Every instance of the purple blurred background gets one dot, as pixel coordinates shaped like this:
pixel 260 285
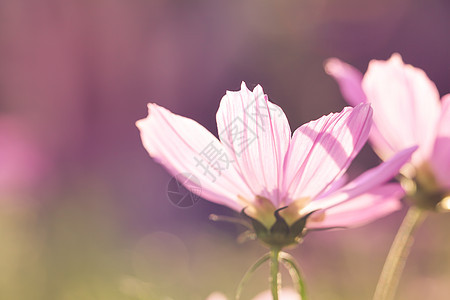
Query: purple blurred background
pixel 85 212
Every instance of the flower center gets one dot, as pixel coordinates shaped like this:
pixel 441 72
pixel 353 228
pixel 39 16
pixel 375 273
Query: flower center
pixel 424 191
pixel 279 227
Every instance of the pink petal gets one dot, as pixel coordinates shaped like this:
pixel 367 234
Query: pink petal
pixel 322 150
pixel 350 83
pixel 216 296
pixel 363 209
pixel 23 165
pixel 382 147
pixel 364 183
pixel 182 145
pixel 349 80
pixel 336 185
pixel 440 160
pixel 405 104
pixel 284 294
pixel 257 135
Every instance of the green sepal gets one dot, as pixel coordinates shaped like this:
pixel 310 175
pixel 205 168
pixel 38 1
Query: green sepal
pixel 260 230
pixel 296 229
pixel 280 225
pixel 280 233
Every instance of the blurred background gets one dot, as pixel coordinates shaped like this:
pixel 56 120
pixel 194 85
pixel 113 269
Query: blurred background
pixel 84 212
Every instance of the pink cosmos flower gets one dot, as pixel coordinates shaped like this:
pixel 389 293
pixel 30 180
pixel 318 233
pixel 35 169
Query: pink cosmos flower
pixel 285 294
pixel 407 111
pixel 256 164
pixel 22 162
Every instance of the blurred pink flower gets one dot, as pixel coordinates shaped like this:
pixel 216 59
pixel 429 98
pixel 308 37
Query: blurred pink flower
pixel 284 294
pixel 257 165
pixel 407 111
pixel 22 163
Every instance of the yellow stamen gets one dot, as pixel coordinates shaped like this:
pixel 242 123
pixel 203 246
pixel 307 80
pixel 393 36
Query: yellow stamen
pixel 444 205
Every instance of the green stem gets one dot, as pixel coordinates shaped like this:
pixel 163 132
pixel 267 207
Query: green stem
pixel 274 272
pixel 290 264
pixel 396 259
pixel 249 274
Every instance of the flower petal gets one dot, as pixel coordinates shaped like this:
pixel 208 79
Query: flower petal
pixel 257 135
pixel 182 145
pixel 349 80
pixel 322 150
pixel 364 183
pixel 363 209
pixel 405 104
pixel 284 294
pixel 336 185
pixel 440 160
pixel 350 84
pixel 216 296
